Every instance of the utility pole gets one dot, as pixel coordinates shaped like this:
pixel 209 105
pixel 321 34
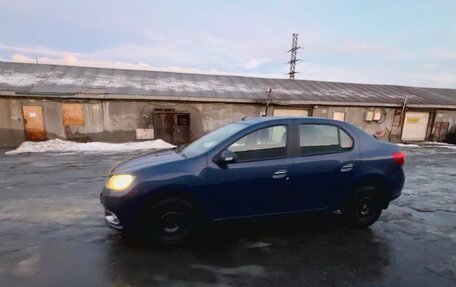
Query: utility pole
pixel 293 60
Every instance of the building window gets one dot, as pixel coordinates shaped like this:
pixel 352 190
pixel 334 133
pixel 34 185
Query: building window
pixel 339 116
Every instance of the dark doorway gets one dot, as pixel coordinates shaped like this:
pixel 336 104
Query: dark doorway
pixel 172 127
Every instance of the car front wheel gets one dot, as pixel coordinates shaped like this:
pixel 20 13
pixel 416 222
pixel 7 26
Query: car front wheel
pixel 170 221
pixel 364 209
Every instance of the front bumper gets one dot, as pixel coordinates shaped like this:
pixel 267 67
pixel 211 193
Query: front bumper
pixel 121 212
pixel 112 220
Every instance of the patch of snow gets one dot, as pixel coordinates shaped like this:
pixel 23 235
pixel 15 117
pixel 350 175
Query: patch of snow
pixel 407 145
pixel 258 244
pixel 438 144
pixel 245 270
pixel 62 146
pixel 429 145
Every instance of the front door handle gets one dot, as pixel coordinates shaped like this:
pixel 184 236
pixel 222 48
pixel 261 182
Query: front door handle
pixel 281 173
pixel 347 167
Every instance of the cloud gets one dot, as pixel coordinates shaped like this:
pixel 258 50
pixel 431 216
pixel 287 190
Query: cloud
pixel 309 71
pixel 33 50
pixel 360 47
pixel 387 75
pixel 188 57
pixel 428 72
pixel 442 54
pixel 254 63
pixel 187 54
pixel 72 60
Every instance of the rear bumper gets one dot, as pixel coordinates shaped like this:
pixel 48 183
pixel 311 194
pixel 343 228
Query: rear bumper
pixel 396 184
pixel 395 196
pixel 395 187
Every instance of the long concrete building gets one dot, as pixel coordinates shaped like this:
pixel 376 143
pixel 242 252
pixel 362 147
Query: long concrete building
pixel 39 102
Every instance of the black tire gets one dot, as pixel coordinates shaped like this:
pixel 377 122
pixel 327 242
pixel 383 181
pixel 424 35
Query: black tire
pixel 364 209
pixel 170 222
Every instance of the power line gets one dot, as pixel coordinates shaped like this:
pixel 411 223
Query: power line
pixel 293 60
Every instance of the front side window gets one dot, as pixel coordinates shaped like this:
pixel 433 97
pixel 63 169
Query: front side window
pixel 262 144
pixel 317 139
pixel 211 139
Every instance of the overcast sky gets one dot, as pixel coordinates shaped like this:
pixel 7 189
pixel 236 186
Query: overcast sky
pixel 386 42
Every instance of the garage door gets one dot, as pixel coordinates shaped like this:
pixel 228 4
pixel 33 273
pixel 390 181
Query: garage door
pixel 415 126
pixel 291 112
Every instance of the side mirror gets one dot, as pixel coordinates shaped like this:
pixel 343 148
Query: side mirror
pixel 227 157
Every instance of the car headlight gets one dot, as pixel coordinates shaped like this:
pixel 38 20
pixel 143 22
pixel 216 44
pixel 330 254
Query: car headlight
pixel 119 182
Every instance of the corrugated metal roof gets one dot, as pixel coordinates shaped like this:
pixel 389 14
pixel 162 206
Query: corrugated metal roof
pixel 59 80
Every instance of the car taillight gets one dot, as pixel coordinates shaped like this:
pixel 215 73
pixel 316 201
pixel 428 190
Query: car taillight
pixel 399 157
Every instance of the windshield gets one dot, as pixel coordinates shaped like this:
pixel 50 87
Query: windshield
pixel 210 140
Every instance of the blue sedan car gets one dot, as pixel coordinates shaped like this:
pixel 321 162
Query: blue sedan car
pixel 253 168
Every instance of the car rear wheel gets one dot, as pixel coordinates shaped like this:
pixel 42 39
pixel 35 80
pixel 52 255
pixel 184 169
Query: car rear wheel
pixel 364 209
pixel 170 221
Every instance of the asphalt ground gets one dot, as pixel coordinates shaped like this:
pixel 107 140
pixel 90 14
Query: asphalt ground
pixel 52 233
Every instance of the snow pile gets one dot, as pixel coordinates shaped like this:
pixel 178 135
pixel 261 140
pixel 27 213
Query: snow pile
pixel 407 145
pixel 429 145
pixel 258 244
pixel 439 144
pixel 57 145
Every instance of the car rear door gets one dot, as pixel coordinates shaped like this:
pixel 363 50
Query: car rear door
pixel 323 163
pixel 257 183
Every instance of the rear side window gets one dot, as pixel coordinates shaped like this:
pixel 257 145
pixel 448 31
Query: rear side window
pixel 262 144
pixel 346 142
pixel 317 139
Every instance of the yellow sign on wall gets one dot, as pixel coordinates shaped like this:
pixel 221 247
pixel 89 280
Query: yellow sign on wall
pixel 413 120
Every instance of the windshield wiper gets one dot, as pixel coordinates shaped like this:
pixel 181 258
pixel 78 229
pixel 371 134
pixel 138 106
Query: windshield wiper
pixel 180 147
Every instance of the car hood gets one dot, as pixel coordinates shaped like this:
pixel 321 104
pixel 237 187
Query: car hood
pixel 147 160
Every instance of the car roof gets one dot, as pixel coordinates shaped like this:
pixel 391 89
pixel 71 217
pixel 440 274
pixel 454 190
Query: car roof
pixel 281 119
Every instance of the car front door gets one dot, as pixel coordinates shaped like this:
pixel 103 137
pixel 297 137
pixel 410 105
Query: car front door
pixel 257 182
pixel 322 166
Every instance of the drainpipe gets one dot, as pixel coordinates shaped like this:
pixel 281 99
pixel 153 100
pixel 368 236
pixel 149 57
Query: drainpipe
pixel 430 127
pixel 404 106
pixel 267 103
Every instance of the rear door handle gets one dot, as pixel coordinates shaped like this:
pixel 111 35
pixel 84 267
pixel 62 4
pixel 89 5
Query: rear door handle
pixel 347 167
pixel 281 173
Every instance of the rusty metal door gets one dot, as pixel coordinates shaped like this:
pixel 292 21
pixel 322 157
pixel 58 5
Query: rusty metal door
pixel 182 133
pixel 34 123
pixel 440 131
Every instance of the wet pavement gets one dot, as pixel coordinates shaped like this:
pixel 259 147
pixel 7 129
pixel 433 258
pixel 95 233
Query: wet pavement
pixel 52 234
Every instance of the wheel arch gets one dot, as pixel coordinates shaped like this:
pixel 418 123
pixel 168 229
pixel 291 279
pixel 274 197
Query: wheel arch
pixel 378 181
pixel 172 192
